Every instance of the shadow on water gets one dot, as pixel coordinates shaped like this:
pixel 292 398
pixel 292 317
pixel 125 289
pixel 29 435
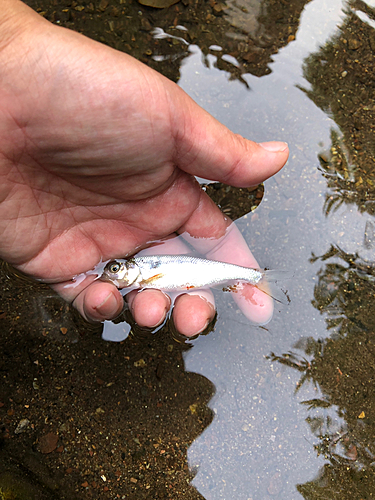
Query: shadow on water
pixel 82 418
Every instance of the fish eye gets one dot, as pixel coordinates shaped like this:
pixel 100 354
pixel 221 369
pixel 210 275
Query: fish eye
pixel 114 267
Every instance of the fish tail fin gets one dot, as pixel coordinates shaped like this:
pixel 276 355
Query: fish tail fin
pixel 273 285
pixel 275 275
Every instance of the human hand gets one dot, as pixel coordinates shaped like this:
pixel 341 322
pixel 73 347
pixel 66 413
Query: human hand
pixel 97 158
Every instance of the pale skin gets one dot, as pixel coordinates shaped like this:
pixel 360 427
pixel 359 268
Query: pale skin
pixel 97 157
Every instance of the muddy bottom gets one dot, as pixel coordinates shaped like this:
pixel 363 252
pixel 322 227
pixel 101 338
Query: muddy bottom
pixel 83 418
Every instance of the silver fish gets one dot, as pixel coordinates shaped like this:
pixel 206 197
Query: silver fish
pixel 177 273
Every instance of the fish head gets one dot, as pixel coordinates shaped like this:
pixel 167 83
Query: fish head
pixel 122 273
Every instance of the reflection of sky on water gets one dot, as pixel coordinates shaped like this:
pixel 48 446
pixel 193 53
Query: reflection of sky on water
pixel 258 443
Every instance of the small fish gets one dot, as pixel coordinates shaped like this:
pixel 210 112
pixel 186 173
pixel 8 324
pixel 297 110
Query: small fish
pixel 178 273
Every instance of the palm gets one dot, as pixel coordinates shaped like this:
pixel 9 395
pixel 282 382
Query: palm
pixel 106 169
pixel 77 235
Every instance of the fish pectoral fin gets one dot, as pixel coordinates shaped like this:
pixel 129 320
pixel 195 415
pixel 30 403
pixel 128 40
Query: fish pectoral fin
pixel 151 280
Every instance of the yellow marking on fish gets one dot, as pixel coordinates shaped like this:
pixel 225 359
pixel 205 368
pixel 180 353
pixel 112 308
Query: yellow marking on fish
pixel 150 281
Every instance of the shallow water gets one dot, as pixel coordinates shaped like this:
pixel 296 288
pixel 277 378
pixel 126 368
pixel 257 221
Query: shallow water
pixel 293 408
pixel 264 441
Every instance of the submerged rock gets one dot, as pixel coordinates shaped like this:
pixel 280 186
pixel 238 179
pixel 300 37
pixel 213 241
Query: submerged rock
pixel 158 4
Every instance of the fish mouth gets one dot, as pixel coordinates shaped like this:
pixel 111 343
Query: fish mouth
pixel 108 279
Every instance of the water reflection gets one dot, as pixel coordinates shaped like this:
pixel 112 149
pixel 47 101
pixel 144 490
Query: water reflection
pixel 242 36
pixel 341 367
pixel 341 75
pixel 260 28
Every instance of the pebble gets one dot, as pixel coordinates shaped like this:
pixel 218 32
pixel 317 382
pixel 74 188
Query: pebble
pixel 22 426
pixel 48 443
pixel 140 363
pixel 103 4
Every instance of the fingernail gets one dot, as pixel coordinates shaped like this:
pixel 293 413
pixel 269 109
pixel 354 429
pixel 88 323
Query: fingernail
pixel 108 307
pixel 206 325
pixel 157 324
pixel 201 330
pixel 274 146
pixel 162 319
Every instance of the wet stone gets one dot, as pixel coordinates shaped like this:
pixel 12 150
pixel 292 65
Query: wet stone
pixel 354 43
pixel 22 426
pixel 103 4
pixel 158 4
pixel 219 7
pixel 145 24
pixel 48 443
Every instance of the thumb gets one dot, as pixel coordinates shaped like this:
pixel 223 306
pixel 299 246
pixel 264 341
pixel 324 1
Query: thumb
pixel 208 149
